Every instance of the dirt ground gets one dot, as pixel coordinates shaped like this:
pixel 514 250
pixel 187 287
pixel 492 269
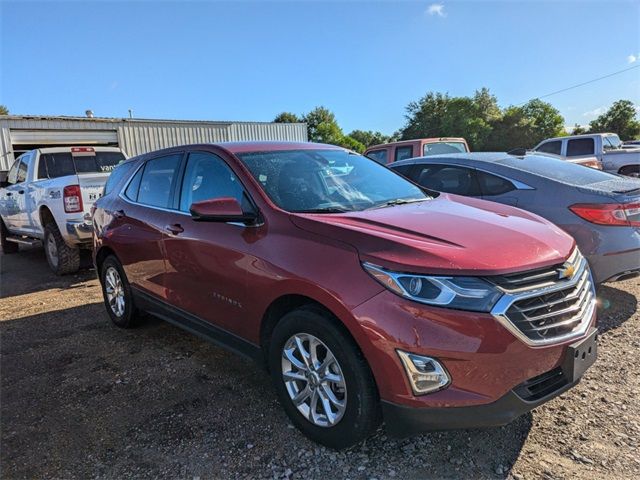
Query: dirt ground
pixel 81 398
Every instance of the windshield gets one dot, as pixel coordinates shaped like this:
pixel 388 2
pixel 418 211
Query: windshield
pixel 443 147
pixel 611 142
pixel 328 181
pixel 560 170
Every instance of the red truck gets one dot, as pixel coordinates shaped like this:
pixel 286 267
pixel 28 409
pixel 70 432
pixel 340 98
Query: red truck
pixel 368 298
pixel 421 147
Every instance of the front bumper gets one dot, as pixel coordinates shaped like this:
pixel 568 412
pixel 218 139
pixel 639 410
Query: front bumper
pixel 78 231
pixel 403 421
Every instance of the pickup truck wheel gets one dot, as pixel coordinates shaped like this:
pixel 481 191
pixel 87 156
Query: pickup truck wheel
pixel 631 171
pixel 62 258
pixel 322 379
pixel 117 293
pixel 7 247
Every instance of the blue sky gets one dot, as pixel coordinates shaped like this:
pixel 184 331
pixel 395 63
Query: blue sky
pixel 364 60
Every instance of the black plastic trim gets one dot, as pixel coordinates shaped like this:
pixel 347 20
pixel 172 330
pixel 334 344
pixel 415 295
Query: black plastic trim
pixel 197 326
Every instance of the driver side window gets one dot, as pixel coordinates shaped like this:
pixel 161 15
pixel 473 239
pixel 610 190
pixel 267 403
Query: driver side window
pixel 207 177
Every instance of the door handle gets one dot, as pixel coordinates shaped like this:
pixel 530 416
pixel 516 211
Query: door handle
pixel 9 194
pixel 21 192
pixel 175 228
pixel 119 214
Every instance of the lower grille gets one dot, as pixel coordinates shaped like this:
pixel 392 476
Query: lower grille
pixel 553 313
pixel 539 387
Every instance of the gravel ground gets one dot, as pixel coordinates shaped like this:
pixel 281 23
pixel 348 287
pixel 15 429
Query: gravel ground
pixel 81 398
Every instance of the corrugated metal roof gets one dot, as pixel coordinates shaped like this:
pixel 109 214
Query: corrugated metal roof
pixel 137 136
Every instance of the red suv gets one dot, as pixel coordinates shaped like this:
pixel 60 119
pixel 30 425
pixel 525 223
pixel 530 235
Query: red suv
pixel 368 298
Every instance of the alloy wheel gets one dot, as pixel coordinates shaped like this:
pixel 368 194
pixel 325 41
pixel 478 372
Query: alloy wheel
pixel 115 291
pixel 314 380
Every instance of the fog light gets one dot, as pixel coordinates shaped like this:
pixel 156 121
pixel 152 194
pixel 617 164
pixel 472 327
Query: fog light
pixel 425 374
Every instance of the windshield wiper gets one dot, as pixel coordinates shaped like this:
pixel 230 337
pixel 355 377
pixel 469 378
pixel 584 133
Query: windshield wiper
pixel 397 201
pixel 322 210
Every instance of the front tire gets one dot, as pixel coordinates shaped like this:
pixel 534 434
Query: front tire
pixel 322 379
pixel 62 258
pixel 117 295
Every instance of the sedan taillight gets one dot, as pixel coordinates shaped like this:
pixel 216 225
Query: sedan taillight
pixel 625 214
pixel 72 197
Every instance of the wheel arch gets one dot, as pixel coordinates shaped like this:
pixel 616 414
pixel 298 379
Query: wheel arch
pixel 101 255
pixel 45 215
pixel 626 169
pixel 286 303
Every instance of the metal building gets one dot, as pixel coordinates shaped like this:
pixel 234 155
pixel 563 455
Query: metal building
pixel 135 136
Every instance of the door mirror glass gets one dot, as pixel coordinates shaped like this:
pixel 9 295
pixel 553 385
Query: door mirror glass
pixel 225 209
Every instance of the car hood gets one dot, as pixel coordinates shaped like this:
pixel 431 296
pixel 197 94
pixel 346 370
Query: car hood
pixel 447 235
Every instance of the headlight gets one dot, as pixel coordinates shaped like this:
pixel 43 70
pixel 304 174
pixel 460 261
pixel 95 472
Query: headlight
pixel 462 293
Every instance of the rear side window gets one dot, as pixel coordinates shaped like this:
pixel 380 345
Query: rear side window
pixel 379 156
pixel 64 163
pixel 449 179
pixel 554 147
pixel 580 146
pixel 493 185
pixel 157 180
pixel 134 186
pixel 403 153
pixel 116 176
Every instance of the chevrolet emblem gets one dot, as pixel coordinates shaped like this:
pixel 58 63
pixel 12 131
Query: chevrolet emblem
pixel 567 271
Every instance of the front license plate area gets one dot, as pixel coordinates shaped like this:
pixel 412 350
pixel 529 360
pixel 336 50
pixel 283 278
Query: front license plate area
pixel 580 356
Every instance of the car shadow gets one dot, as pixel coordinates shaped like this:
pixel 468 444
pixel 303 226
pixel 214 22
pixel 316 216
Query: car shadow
pixel 28 271
pixel 81 397
pixel 615 306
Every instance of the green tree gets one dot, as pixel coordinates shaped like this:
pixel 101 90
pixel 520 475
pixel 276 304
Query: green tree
pixel 4 110
pixel 439 115
pixel 578 130
pixel 546 120
pixel 525 126
pixel 351 143
pixel 322 126
pixel 368 137
pixel 287 117
pixel 621 118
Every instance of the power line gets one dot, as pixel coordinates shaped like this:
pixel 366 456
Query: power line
pixel 586 83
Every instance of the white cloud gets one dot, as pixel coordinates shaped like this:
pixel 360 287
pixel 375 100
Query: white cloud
pixel 595 112
pixel 436 9
pixel 632 59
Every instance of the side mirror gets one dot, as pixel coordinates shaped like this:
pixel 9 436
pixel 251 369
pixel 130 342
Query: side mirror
pixel 226 209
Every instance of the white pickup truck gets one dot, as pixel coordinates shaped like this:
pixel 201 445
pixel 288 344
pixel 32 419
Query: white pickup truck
pixel 605 147
pixel 47 198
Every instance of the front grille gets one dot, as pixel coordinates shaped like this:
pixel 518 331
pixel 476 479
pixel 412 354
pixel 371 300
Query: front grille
pixel 556 311
pixel 539 278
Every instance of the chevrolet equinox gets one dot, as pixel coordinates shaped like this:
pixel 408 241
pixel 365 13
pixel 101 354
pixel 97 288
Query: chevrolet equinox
pixel 368 298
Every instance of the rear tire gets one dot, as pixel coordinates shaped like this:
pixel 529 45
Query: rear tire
pixel 61 257
pixel 116 291
pixel 7 247
pixel 345 386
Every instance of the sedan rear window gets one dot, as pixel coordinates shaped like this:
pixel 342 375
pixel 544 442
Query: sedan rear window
pixel 560 170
